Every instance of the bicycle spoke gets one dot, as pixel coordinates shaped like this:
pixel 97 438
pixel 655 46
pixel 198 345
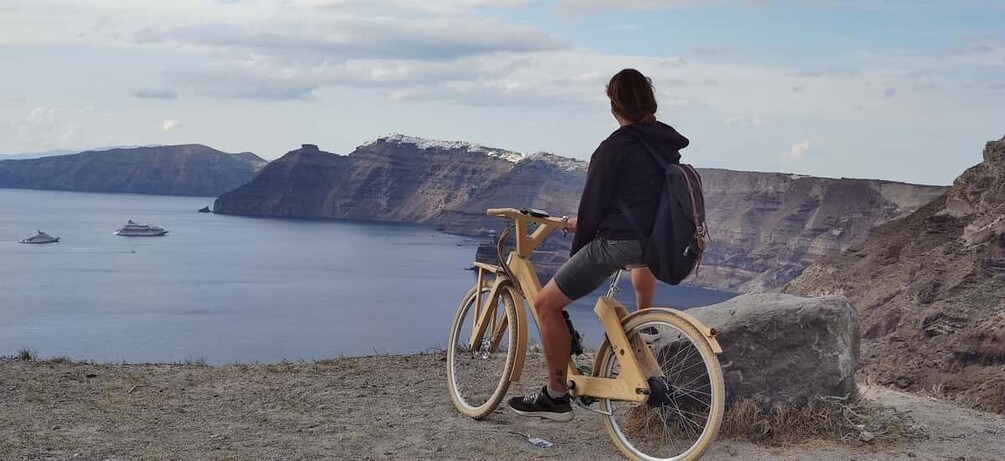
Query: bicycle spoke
pixel 478 374
pixel 675 418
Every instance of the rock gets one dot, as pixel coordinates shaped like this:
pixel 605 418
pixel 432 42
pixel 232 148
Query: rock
pixel 785 349
pixel 866 437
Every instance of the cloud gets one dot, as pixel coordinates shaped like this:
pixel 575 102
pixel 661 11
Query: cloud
pixel 744 121
pixel 47 126
pixel 579 6
pixel 454 51
pixel 355 37
pixel 423 6
pixel 796 153
pixel 171 125
pixel 626 27
pixel 715 50
pixel 827 72
pixel 156 93
pixel 12 100
pixel 985 50
pixel 286 56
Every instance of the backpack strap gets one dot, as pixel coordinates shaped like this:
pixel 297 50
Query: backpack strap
pixel 652 153
pixel 663 164
pixel 643 240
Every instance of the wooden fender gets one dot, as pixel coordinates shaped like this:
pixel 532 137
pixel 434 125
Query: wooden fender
pixel 521 333
pixel 709 333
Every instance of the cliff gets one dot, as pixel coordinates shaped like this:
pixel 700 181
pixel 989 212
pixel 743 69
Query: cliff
pixel 766 227
pixel 930 289
pixel 165 170
pixel 394 178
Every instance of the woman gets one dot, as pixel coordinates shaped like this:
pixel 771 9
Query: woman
pixel 620 172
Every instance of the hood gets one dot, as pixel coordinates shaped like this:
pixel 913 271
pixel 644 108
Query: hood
pixel 662 137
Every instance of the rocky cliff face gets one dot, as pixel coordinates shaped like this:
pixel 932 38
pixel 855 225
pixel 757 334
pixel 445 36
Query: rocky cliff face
pixel 394 178
pixel 166 170
pixel 930 289
pixel 766 227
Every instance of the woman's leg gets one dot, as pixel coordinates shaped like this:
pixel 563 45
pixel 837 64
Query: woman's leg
pixel 555 338
pixel 644 283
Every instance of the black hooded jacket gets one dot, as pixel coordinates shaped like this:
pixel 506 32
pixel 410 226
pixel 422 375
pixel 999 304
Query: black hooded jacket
pixel 621 169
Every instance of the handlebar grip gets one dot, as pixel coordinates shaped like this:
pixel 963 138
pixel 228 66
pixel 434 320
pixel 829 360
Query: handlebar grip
pixel 496 211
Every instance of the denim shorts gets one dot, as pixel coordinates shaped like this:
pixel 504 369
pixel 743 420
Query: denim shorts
pixel 594 263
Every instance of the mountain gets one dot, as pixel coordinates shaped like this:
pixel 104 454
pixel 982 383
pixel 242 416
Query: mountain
pixel 766 227
pixel 191 169
pixel 55 152
pixel 930 290
pixel 394 178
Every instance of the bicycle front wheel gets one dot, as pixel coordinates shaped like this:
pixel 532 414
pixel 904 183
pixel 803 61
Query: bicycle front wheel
pixel 682 416
pixel 478 368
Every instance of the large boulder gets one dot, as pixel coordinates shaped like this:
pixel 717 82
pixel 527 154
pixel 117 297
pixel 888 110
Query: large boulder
pixel 785 349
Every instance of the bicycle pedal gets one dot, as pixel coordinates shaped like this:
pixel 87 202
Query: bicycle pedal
pixel 586 404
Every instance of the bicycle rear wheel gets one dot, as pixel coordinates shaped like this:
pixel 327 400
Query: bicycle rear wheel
pixel 478 369
pixel 687 396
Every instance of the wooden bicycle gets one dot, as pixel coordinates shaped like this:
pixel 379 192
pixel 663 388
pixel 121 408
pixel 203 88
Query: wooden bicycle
pixel 655 379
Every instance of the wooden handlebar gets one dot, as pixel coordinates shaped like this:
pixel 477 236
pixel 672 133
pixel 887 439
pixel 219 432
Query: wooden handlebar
pixel 515 214
pixel 500 211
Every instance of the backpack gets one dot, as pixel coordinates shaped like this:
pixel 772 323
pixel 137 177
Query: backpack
pixel 674 247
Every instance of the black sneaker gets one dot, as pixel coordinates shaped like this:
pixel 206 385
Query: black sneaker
pixel 541 404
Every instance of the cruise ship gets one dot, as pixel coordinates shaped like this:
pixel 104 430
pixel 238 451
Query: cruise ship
pixel 40 237
pixel 131 229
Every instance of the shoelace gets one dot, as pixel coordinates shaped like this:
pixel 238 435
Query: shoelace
pixel 529 399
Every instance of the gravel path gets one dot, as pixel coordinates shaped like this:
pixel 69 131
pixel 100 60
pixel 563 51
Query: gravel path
pixel 393 407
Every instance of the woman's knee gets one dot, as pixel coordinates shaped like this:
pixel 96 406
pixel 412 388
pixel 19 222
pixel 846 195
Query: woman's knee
pixel 550 300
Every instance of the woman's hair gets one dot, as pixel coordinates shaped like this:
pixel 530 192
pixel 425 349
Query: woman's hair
pixel 632 96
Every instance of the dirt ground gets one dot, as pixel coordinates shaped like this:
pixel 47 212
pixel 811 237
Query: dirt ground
pixel 393 407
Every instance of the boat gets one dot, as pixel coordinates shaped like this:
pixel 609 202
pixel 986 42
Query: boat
pixel 132 229
pixel 40 237
pixel 204 209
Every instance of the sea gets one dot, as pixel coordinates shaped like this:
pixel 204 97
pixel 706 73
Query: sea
pixel 226 289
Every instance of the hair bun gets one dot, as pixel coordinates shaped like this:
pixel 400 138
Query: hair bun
pixel 632 96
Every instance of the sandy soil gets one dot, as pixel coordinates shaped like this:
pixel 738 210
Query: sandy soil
pixel 362 408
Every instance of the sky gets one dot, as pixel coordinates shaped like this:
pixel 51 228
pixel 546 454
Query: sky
pixel 901 90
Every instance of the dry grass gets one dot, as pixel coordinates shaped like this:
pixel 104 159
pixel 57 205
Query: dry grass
pixel 25 354
pixel 853 421
pixel 196 362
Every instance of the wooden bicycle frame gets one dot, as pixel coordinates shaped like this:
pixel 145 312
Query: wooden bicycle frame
pixel 635 358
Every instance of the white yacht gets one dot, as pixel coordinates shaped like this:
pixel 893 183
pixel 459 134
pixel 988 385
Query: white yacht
pixel 132 229
pixel 40 237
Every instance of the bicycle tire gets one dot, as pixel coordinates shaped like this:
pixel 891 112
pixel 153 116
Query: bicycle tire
pixel 652 318
pixel 466 402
